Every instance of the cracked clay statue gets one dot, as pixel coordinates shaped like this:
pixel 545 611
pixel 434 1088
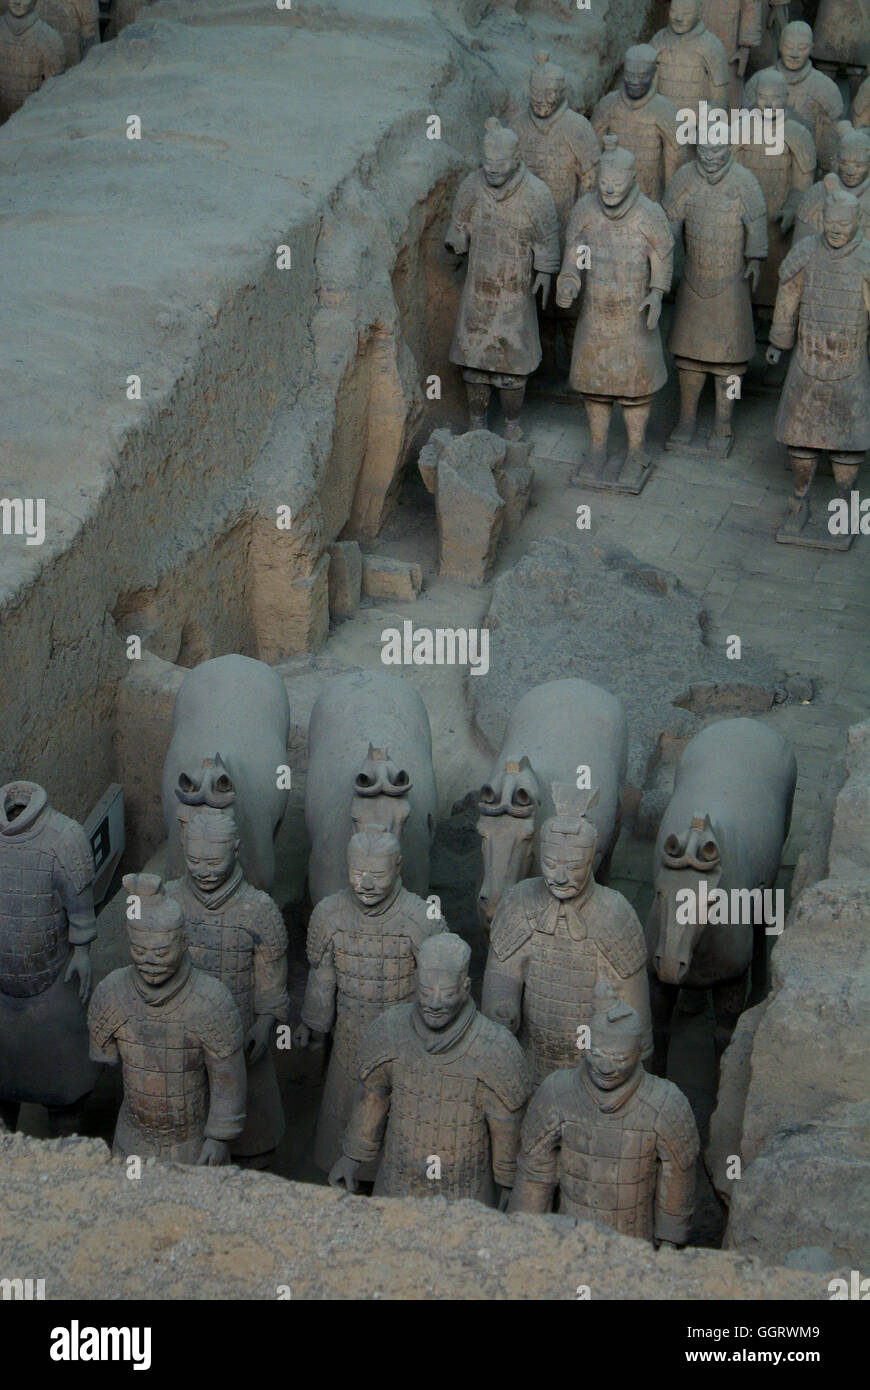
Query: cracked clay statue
pixel 363 945
pixel 236 933
pixel 719 207
pixel 504 218
pixel 178 1037
pixel 643 121
pixel 446 1084
pixel 812 97
pixel 693 64
pixel 620 244
pixel 46 927
pixel 30 52
pixel 555 937
pixel 823 312
pixel 610 1141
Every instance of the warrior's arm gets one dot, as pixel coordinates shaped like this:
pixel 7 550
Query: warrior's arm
pixel 459 232
pixel 538 1164
pixel 785 315
pixel 756 247
pixel 318 1007
pixel 89 17
pixel 719 73
pixel 227 1086
pixel 53 56
pixel 504 1134
pixel 677 1150
pixel 545 244
pixel 270 970
pixel 634 990
pixel 749 32
pixel 673 153
pixel 503 989
pixel 661 257
pixel 365 1128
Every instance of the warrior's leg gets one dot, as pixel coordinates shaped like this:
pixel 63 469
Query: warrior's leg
pixel 844 467
pixel 720 436
pixel 66 1119
pixel 511 398
pixel 729 1001
pixel 663 1000
pixel 598 414
pixel 691 386
pixel 803 467
pixel 636 418
pixel 9 1114
pixel 478 404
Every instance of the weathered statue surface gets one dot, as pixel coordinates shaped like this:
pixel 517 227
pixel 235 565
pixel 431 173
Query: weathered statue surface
pixel 693 63
pixel 363 946
pixel 236 934
pixel 643 121
pixel 30 52
pixel 47 925
pixel 619 253
pixel 812 97
pixel 504 219
pixel 442 1088
pixel 607 1141
pixel 178 1036
pixel 555 938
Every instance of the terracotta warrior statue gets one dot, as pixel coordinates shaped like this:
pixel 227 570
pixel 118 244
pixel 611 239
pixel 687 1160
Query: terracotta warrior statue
pixel 363 945
pixel 823 308
pixel 178 1037
pixel 853 170
pixel 627 243
pixel 554 938
pixel 77 22
pixel 643 121
pixel 719 207
pixel 236 933
pixel 861 105
pixel 842 38
pixel 812 97
pixel 775 15
pixel 30 52
pixel 610 1142
pixel 557 144
pixel 47 924
pixel 737 26
pixel 784 178
pixel 446 1084
pixel 504 218
pixel 693 64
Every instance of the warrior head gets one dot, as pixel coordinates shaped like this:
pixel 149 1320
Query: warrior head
pixel 616 1040
pixel 771 90
pixel 842 213
pixel 211 845
pixel 639 71
pixel 568 843
pixel 374 861
pixel 547 86
pixel 713 160
pixel 156 932
pixel 616 173
pixel 443 983
pixel 501 153
pixel 796 45
pixel 684 15
pixel 854 154
pixel 20 9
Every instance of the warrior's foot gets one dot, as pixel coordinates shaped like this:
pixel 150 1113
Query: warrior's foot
pixel 594 462
pixel 796 517
pixel 638 458
pixel 683 434
pixel 513 430
pixel 719 443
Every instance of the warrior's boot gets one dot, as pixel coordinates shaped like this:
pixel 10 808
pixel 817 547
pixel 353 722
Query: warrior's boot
pixel 511 398
pixel 720 438
pixel 636 418
pixel 803 468
pixel 478 405
pixel 598 414
pixel 691 386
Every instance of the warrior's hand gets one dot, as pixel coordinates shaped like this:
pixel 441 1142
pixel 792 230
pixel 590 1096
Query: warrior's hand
pixel 343 1174
pixel 258 1038
pixel 742 60
pixel 752 273
pixel 786 219
pixel 773 355
pixel 301 1036
pixel 80 964
pixel 542 283
pixel 567 290
pixel 653 306
pixel 213 1153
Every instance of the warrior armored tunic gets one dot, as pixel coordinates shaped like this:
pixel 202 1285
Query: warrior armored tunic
pixel 615 355
pixel 815 101
pixel 841 33
pixel 647 127
pixel 823 308
pixel 237 935
pixel 75 21
pixel 724 225
pixel 545 959
pixel 511 234
pixel 456 1095
pixel 692 68
pixel 361 963
pixel 736 23
pixel 29 53
pixel 625 1157
pixel 46 907
pixel 784 179
pixel 180 1047
pixel 562 151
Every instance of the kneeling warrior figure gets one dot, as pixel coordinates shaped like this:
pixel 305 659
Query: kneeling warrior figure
pixel 363 945
pixel 448 1086
pixel 610 1141
pixel 178 1036
pixel 236 933
pixel 554 938
pixel 46 927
